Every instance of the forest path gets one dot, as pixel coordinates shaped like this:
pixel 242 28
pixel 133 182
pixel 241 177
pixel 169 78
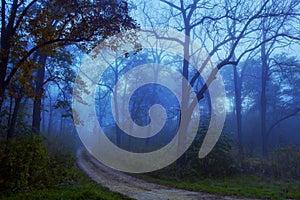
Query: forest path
pixel 133 187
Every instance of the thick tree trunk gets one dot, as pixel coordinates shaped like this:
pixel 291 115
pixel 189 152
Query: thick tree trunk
pixel 3 68
pixel 184 104
pixel 263 97
pixel 37 103
pixel 238 111
pixel 7 33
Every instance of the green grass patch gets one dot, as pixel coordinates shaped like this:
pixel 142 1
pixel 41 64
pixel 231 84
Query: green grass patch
pixel 239 185
pixel 84 188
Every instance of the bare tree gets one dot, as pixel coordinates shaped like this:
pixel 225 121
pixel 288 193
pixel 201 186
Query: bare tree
pixel 206 20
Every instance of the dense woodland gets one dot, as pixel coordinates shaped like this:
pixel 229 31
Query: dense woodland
pixel 254 46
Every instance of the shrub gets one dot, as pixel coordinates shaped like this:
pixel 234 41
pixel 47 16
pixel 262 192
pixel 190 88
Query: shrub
pixel 23 164
pixel 62 168
pixel 218 163
pixel 283 162
pixel 27 165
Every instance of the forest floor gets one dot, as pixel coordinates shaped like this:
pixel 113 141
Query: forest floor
pixel 134 187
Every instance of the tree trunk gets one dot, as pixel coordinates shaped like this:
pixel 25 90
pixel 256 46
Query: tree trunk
pixel 37 103
pixel 1 96
pixel 44 117
pixel 5 50
pixel 11 129
pixel 50 119
pixel 263 97
pixel 184 104
pixel 10 111
pixel 117 115
pixel 238 111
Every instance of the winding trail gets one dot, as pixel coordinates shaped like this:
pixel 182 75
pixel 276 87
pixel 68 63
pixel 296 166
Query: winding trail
pixel 133 187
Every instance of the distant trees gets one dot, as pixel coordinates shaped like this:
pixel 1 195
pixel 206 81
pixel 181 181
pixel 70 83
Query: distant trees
pixel 281 98
pixel 251 26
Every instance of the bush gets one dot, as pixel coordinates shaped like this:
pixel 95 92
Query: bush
pixel 62 168
pixel 218 163
pixel 23 163
pixel 27 165
pixel 283 162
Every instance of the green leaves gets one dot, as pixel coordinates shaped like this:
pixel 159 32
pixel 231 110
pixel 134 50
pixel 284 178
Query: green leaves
pixel 26 164
pixel 23 164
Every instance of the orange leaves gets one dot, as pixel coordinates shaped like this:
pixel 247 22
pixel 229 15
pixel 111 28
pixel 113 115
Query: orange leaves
pixel 45 26
pixel 23 82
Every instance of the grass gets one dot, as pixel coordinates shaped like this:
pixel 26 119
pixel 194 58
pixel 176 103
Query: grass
pixel 84 188
pixel 240 185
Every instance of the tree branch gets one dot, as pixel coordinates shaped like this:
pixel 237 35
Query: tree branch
pixel 295 113
pixel 171 4
pixel 65 41
pixel 19 20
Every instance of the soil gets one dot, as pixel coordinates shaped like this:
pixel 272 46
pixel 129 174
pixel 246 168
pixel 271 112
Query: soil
pixel 133 187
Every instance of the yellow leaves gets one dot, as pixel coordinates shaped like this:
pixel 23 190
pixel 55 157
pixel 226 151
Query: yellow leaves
pixel 18 49
pixel 41 27
pixel 28 67
pixel 47 21
pixel 50 50
pixel 24 81
pixel 13 94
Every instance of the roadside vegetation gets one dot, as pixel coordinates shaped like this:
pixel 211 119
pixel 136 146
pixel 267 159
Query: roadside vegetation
pixel 32 170
pixel 240 185
pixel 223 172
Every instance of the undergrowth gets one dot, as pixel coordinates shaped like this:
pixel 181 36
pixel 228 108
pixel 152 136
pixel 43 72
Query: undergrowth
pixel 29 170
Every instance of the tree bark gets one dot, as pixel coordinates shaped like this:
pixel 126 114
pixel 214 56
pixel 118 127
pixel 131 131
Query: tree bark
pixel 10 111
pixel 37 102
pixel 238 111
pixel 263 97
pixel 43 118
pixel 11 129
pixel 49 130
pixel 184 104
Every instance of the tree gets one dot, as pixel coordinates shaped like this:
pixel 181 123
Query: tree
pixel 271 26
pixel 283 73
pixel 280 91
pixel 32 26
pixel 205 20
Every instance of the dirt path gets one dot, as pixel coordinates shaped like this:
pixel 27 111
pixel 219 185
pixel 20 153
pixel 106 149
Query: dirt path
pixel 133 187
